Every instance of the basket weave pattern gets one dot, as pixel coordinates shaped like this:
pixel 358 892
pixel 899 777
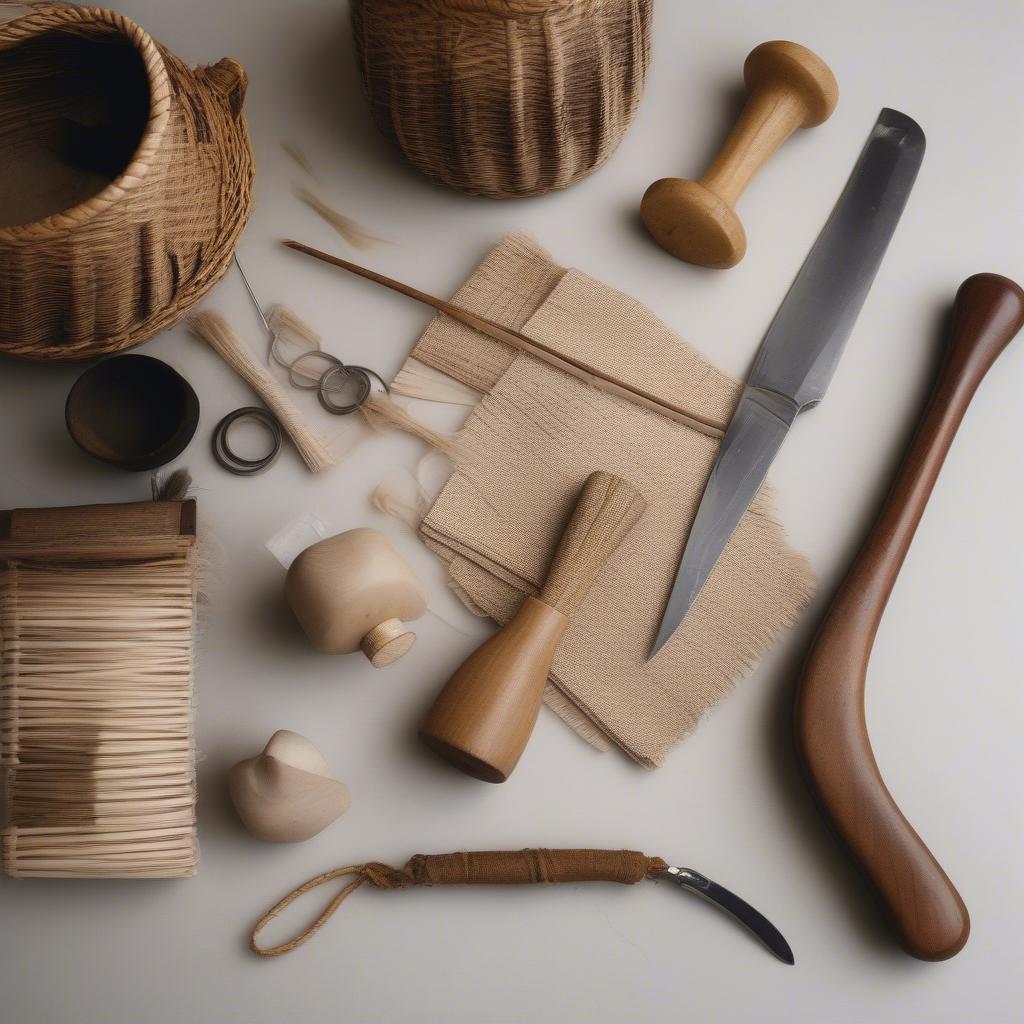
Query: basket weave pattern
pixel 132 259
pixel 504 98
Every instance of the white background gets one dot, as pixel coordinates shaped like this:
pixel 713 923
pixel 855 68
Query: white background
pixel 944 705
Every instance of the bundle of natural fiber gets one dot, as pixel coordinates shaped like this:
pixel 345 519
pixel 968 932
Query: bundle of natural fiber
pixel 219 335
pixel 125 181
pixel 96 637
pixel 504 98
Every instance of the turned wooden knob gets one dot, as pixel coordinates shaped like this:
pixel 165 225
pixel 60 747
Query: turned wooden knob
pixel 483 718
pixel 789 87
pixel 355 592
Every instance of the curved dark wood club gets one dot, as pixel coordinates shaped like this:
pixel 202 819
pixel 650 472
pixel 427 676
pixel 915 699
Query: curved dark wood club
pixel 924 906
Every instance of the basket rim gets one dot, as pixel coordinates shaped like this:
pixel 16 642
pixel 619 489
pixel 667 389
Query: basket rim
pixel 42 19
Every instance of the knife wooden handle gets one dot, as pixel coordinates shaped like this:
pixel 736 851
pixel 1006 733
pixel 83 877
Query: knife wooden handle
pixel 483 718
pixel 531 867
pixel 789 87
pixel 924 906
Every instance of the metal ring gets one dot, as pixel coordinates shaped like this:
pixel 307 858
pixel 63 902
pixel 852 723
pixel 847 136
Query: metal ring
pixel 364 390
pixel 276 357
pixel 233 462
pixel 373 373
pixel 335 362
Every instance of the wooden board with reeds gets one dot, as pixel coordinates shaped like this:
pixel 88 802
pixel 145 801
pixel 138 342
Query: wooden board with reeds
pixel 96 736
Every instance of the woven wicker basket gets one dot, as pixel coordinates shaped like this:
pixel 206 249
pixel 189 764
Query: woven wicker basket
pixel 125 181
pixel 504 98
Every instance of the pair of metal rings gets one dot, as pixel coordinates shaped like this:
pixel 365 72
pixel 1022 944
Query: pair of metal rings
pixel 231 460
pixel 327 383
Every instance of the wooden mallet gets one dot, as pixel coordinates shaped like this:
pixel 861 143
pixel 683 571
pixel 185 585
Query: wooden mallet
pixel 789 87
pixel 483 718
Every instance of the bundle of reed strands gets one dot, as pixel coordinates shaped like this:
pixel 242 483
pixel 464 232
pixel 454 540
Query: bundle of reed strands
pixel 218 334
pixel 96 698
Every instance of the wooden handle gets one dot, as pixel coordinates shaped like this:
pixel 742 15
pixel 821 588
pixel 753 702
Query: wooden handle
pixel 483 718
pixel 925 908
pixel 607 509
pixel 491 867
pixel 531 867
pixel 789 87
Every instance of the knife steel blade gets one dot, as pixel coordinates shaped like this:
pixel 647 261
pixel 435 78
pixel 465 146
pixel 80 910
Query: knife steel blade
pixel 801 350
pixel 753 920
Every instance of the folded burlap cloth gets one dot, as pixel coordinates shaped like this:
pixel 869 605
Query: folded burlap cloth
pixel 520 461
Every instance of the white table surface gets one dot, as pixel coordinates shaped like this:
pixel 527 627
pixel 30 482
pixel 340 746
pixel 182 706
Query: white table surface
pixel 945 707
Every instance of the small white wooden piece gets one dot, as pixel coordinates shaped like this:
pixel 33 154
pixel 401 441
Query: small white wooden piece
pixel 286 793
pixel 355 591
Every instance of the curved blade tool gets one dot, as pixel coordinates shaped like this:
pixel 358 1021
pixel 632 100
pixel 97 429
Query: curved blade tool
pixel 801 350
pixel 759 925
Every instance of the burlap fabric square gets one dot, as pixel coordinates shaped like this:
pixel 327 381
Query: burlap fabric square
pixel 520 461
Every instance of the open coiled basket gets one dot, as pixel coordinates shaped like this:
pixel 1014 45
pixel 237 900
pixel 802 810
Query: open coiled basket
pixel 125 181
pixel 504 98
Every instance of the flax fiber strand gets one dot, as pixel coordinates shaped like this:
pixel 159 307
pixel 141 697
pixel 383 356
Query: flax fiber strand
pixel 491 867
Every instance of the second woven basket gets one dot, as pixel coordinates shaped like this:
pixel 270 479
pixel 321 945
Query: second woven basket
pixel 504 98
pixel 125 181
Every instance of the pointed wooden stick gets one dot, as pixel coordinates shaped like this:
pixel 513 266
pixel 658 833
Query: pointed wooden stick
pixel 574 367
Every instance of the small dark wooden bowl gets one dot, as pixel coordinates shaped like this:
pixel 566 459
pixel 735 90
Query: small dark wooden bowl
pixel 132 411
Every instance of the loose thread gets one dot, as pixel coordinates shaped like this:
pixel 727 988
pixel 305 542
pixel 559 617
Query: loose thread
pixel 325 916
pixel 418 380
pixel 383 413
pixel 381 876
pixel 352 231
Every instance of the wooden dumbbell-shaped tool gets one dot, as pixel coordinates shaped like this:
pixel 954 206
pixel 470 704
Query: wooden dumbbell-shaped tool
pixel 483 718
pixel 789 87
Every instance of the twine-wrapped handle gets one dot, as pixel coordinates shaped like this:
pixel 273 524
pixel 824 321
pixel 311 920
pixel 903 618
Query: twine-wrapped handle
pixel 495 867
pixel 532 867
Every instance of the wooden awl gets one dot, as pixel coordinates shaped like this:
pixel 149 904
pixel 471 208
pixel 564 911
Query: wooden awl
pixel 483 718
pixel 832 736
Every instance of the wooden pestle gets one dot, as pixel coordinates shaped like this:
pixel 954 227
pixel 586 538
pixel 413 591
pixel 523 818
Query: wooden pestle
pixel 483 718
pixel 832 738
pixel 789 87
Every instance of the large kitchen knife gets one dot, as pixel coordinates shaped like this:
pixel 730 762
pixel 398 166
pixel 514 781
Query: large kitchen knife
pixel 800 352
